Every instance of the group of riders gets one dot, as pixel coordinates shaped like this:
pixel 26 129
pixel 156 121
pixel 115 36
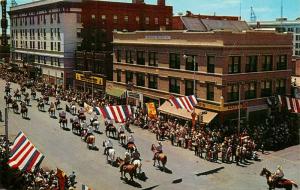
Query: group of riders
pixel 200 141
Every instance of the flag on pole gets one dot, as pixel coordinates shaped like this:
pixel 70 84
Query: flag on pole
pixel 186 102
pixel 151 110
pixel 23 155
pixel 117 113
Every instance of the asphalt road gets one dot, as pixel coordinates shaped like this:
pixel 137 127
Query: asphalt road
pixel 67 151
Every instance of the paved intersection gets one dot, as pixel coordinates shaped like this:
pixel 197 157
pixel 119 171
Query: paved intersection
pixel 65 150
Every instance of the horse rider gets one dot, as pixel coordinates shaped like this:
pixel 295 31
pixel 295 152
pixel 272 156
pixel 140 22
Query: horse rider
pixel 127 160
pixel 72 178
pixel 108 146
pixel 158 150
pixel 89 132
pixel 81 111
pixel 51 105
pixel 135 155
pixel 76 120
pixel 62 115
pixel 121 130
pixel 277 175
pixel 130 140
pixel 93 119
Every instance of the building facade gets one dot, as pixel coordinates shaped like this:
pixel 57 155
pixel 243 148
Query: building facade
pixel 101 18
pixel 44 35
pixel 225 66
pixel 282 25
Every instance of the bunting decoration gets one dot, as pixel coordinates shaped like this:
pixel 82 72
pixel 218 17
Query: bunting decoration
pixel 23 155
pixel 186 102
pixel 117 113
pixel 292 104
pixel 97 110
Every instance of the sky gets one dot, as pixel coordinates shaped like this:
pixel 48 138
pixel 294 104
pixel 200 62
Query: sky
pixel 264 9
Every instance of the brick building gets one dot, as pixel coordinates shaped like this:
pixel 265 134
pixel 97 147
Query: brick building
pixel 223 63
pixel 101 18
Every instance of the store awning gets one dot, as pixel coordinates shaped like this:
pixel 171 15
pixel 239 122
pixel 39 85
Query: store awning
pixel 116 92
pixel 168 109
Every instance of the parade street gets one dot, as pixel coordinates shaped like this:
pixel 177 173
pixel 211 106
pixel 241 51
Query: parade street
pixel 64 150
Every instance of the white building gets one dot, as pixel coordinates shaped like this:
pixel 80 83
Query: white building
pixel 282 25
pixel 45 34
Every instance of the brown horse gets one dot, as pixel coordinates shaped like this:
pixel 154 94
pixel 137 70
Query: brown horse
pixel 24 110
pixel 160 158
pixel 130 168
pixel 110 129
pixel 122 138
pixel 63 121
pixel 283 183
pixel 90 141
pixel 131 147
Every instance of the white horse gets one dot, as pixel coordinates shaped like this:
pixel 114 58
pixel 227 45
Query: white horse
pixel 95 124
pixel 111 153
pixel 73 109
pixel 139 164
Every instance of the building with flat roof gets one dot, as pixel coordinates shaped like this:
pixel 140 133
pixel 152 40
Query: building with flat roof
pixel 155 65
pixel 44 35
pixel 282 25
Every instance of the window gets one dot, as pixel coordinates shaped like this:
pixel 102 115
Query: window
pixel 298 38
pixel 147 20
pixel 280 86
pixel 128 56
pixel 290 29
pixel 51 19
pixel 189 87
pixel 282 62
pixel 78 33
pixel 174 62
pixel 235 66
pixel 174 86
pixel 297 45
pixel 189 63
pixel 103 17
pixel 129 77
pixel 51 33
pixel 115 19
pixel 119 55
pixel 58 46
pixel 266 88
pixel 51 46
pixel 140 79
pixel 233 92
pixel 58 18
pixel 210 91
pixel 167 21
pixel 58 33
pixel 298 30
pixel 126 18
pixel 250 90
pixel 156 21
pixel 152 59
pixel 140 58
pixel 211 64
pixel 119 73
pixel 45 45
pixel 251 65
pixel 152 81
pixel 44 19
pixel 267 63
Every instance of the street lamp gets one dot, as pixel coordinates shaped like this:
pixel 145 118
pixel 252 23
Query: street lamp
pixel 194 62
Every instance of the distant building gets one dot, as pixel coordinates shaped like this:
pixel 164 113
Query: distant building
pixel 100 19
pixel 282 25
pixel 152 65
pixel 44 35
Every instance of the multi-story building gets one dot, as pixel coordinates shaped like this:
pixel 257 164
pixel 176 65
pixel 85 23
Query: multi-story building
pixel 44 34
pixel 282 25
pixel 226 67
pixel 101 18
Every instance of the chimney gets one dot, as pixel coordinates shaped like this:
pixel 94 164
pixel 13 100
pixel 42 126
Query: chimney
pixel 161 2
pixel 138 1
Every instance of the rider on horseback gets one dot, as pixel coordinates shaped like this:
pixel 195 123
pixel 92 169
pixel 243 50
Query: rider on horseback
pixel 135 155
pixel 62 115
pixel 108 146
pixel 126 161
pixel 121 130
pixel 93 119
pixel 89 132
pixel 158 150
pixel 130 140
pixel 277 175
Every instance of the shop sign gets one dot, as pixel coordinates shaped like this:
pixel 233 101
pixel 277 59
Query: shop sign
pixel 134 95
pixel 225 108
pixel 91 79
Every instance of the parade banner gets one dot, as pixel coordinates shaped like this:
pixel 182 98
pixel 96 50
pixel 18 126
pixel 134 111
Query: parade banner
pixel 24 155
pixel 97 110
pixel 151 110
pixel 117 113
pixel 186 102
pixel 87 108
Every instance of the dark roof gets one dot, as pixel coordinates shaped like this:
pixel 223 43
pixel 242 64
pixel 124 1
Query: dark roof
pixel 205 25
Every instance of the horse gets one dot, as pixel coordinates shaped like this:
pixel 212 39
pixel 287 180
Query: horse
pixel 46 99
pixel 122 138
pixel 131 147
pixel 81 117
pixel 95 124
pixel 63 121
pixel 41 106
pixel 17 95
pixel 33 94
pixel 73 109
pixel 90 141
pixel 111 153
pixel 8 100
pixel 160 158
pixel 139 164
pixel 57 103
pixel 283 183
pixel 130 169
pixel 15 107
pixel 110 129
pixel 51 111
pixel 24 110
pixel 75 127
pixel 7 90
pixel 27 100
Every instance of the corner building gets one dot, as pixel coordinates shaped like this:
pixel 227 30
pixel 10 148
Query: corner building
pixel 256 64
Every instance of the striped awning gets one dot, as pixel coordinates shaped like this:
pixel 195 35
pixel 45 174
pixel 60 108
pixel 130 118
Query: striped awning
pixel 23 155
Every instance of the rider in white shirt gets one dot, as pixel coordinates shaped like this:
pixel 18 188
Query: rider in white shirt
pixel 121 129
pixel 130 140
pixel 278 175
pixel 158 149
pixel 108 145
